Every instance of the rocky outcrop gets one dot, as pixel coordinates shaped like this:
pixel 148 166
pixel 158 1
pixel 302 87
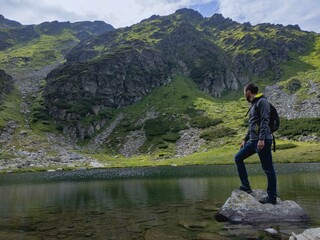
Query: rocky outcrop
pixel 189 142
pixel 242 207
pixel 6 23
pixel 112 82
pixel 312 233
pixel 6 84
pixel 11 36
pixel 83 29
pixel 289 105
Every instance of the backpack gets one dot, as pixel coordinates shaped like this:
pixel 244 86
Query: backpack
pixel 274 121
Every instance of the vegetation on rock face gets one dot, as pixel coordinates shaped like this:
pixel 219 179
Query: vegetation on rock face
pixel 300 127
pixel 167 75
pixel 6 84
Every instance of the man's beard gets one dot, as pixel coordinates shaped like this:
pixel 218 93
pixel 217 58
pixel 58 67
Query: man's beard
pixel 248 99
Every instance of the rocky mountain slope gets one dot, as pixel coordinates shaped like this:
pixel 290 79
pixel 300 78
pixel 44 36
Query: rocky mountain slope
pixel 6 84
pixel 117 69
pixel 168 86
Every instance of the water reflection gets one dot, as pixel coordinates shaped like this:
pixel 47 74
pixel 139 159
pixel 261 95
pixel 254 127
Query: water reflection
pixel 130 207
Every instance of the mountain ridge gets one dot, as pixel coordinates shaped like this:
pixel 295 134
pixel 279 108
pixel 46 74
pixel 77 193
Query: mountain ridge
pixel 166 87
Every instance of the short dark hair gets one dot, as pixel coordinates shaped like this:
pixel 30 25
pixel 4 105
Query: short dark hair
pixel 252 88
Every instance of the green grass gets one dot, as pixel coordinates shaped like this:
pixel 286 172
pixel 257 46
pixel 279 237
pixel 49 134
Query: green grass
pixel 179 105
pixel 302 152
pixel 38 52
pixel 10 109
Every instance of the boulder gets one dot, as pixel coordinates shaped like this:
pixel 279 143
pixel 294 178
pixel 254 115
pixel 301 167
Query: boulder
pixel 311 233
pixel 242 207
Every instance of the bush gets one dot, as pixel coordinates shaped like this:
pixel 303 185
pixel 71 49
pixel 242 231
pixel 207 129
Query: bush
pixel 299 126
pixel 171 137
pixel 215 133
pixel 285 146
pixel 204 122
pixel 155 127
pixel 163 146
pixel 293 85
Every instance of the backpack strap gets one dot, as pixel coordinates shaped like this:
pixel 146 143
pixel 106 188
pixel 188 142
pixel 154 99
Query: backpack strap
pixel 274 142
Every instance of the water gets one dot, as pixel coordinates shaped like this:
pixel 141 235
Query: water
pixel 144 203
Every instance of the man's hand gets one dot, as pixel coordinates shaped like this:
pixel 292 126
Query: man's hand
pixel 260 144
pixel 242 143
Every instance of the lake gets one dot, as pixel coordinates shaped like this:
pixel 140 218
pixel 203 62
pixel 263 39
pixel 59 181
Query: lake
pixel 145 203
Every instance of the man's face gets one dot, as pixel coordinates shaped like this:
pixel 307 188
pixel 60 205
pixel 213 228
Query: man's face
pixel 247 94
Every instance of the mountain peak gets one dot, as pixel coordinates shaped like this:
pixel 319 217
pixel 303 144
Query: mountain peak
pixel 218 20
pixel 6 23
pixel 190 14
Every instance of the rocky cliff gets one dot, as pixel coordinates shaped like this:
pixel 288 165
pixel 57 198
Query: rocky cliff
pixel 6 84
pixel 118 68
pixel 168 86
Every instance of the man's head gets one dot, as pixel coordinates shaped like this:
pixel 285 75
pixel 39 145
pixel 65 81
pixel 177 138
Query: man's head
pixel 250 91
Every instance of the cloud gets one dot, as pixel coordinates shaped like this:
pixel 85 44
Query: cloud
pixel 33 11
pixel 119 13
pixel 306 14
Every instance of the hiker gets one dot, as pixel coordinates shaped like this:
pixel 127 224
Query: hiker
pixel 257 140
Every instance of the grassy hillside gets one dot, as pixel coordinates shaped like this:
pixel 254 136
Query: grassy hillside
pixel 161 117
pixel 39 52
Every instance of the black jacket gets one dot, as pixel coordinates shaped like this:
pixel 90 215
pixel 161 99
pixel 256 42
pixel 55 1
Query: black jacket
pixel 259 116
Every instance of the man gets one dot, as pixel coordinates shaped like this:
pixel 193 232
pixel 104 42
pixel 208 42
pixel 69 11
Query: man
pixel 258 140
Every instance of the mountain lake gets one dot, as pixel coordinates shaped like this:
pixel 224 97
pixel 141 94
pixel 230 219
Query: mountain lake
pixel 145 203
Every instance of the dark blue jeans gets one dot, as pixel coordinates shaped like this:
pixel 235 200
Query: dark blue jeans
pixel 265 156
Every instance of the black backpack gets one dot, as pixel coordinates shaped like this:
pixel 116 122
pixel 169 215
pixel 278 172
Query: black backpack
pixel 274 121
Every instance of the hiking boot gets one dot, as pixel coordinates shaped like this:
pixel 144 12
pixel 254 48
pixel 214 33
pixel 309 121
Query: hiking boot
pixel 245 189
pixel 268 199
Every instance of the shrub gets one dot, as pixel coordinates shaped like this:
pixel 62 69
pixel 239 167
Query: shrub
pixel 211 134
pixel 204 122
pixel 293 85
pixel 163 146
pixel 285 146
pixel 155 127
pixel 171 137
pixel 299 126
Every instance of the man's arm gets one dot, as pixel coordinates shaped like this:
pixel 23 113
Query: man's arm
pixel 264 111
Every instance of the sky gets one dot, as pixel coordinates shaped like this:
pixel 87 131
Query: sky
pixel 122 13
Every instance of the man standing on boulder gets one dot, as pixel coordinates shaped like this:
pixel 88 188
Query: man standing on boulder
pixel 258 140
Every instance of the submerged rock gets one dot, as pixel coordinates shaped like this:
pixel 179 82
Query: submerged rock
pixel 243 207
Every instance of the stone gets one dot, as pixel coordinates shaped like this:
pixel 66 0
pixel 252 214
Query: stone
pixel 192 225
pixel 271 231
pixel 242 207
pixel 311 233
pixel 96 165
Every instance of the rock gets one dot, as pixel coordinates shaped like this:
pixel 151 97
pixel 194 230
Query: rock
pixel 192 225
pixel 242 207
pixel 311 233
pixel 271 231
pixel 96 165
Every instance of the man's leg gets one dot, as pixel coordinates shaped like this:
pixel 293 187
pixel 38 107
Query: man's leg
pixel 248 150
pixel 267 165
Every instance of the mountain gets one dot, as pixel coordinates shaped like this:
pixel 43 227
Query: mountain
pixel 117 69
pixel 6 23
pixel 166 87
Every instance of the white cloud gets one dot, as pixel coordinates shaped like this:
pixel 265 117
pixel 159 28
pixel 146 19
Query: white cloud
pixel 304 13
pixel 119 13
pixel 122 13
